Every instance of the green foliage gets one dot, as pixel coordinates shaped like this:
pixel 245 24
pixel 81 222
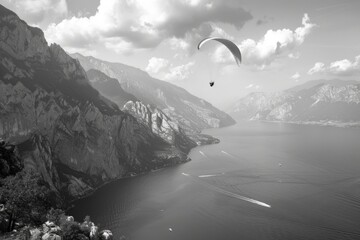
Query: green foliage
pixel 26 198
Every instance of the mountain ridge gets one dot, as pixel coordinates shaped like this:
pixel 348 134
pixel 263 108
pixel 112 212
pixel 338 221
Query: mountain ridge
pixel 326 102
pixel 63 127
pixel 191 113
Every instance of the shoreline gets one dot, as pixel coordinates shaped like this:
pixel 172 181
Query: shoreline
pixel 202 140
pixel 337 124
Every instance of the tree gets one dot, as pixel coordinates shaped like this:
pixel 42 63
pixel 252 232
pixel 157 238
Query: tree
pixel 26 198
pixel 10 163
pixel 72 231
pixel 56 216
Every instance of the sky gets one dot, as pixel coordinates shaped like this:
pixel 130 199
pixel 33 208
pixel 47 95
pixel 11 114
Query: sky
pixel 283 42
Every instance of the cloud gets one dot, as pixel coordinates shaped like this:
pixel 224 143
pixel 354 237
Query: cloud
pixel 155 65
pixel 318 67
pixel 180 72
pixel 296 76
pixel 343 67
pixel 40 12
pixel 253 86
pixel 273 45
pixel 161 68
pixel 195 35
pixel 145 24
pixel 295 55
pixel 261 22
pixel 264 20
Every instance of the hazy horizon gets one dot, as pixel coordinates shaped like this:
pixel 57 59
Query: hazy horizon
pixel 283 43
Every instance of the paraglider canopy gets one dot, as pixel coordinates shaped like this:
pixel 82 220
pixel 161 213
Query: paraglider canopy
pixel 235 51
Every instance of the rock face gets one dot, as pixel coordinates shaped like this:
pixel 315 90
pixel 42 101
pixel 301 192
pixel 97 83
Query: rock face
pixel 63 127
pixel 191 113
pixel 109 87
pixel 151 116
pixel 160 124
pixel 318 101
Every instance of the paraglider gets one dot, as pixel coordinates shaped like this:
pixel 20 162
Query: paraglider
pixel 235 51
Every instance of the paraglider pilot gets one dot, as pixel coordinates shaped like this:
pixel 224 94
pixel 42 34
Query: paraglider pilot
pixel 233 48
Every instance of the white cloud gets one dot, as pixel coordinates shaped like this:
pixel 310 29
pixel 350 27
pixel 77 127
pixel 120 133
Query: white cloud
pixel 294 55
pixel 343 67
pixel 295 76
pixel 38 12
pixel 273 45
pixel 178 43
pixel 155 65
pixel 195 35
pixel 145 24
pixel 180 72
pixel 253 86
pixel 219 32
pixel 318 67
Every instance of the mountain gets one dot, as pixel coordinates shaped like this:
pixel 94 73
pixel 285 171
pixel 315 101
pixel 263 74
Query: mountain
pixel 151 116
pixel 313 83
pixel 63 127
pixel 320 101
pixel 109 87
pixel 191 113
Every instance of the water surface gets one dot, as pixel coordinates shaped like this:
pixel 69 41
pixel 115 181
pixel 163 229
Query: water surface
pixel 263 181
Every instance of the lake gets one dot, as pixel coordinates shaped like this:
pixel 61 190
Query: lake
pixel 268 181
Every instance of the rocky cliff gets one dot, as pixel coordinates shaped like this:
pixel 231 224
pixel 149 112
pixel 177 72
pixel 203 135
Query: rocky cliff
pixel 109 87
pixel 63 127
pixel 191 113
pixel 322 101
pixel 151 116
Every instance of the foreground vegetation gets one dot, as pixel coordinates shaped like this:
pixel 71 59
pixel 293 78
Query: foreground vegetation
pixel 30 210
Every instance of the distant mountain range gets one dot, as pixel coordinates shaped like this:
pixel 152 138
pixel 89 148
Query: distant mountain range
pixel 82 129
pixel 329 102
pixel 191 113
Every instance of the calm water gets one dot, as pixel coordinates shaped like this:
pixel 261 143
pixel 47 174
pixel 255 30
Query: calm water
pixel 309 175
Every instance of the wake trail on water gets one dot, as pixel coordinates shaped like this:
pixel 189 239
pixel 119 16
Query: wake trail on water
pixel 210 175
pixel 228 154
pixel 225 192
pixel 202 153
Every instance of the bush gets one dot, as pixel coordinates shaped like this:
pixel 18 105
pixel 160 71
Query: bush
pixel 26 197
pixel 71 230
pixel 56 216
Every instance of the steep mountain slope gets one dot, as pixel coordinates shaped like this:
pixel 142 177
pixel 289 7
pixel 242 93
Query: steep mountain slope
pixel 109 87
pixel 62 126
pixel 191 113
pixel 318 101
pixel 160 124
